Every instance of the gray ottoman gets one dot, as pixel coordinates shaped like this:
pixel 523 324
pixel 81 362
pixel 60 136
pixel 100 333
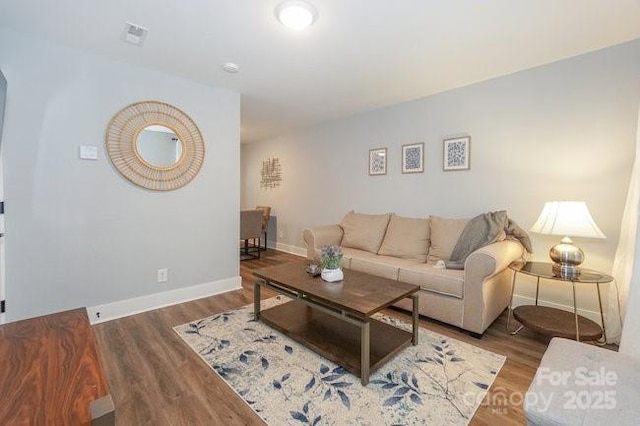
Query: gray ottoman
pixel 580 384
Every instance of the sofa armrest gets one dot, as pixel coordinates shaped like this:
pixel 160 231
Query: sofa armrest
pixel 486 283
pixel 316 238
pixel 490 260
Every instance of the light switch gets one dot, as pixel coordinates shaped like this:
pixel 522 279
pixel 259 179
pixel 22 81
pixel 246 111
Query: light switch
pixel 88 152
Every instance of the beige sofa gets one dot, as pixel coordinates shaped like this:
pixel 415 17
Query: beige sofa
pixel 408 249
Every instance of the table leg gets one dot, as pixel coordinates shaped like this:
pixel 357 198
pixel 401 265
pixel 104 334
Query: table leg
pixel 416 305
pixel 604 330
pixel 537 290
pixel 575 310
pixel 364 353
pixel 256 299
pixel 510 312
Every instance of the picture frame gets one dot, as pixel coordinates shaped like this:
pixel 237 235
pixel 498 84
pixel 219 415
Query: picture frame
pixel 413 158
pixel 456 154
pixel 377 161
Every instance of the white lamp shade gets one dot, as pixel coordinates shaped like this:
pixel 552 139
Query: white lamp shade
pixel 567 218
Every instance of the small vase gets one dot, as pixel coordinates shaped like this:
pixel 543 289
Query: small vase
pixel 332 275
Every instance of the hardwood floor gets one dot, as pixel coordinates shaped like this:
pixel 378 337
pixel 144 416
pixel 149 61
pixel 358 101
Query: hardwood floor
pixel 155 379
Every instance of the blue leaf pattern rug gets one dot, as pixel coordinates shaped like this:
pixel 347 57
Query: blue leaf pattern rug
pixel 439 381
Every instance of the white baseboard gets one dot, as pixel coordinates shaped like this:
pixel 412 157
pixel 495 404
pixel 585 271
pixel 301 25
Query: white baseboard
pixel 123 308
pixel 519 300
pixel 291 249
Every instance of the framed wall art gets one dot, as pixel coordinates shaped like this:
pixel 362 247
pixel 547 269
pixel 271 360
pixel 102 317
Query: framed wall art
pixel 377 161
pixel 413 158
pixel 457 154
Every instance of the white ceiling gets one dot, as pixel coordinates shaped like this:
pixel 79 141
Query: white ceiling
pixel 359 55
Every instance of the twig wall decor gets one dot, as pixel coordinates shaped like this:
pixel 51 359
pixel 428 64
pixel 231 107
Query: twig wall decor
pixel 271 173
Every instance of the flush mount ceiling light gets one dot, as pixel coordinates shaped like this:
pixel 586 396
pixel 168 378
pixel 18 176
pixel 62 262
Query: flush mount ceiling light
pixel 296 14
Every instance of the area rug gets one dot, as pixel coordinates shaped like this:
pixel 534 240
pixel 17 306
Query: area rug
pixel 439 381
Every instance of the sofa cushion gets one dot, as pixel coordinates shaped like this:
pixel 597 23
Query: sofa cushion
pixel 443 281
pixel 350 253
pixel 364 231
pixel 380 266
pixel 444 236
pixel 406 238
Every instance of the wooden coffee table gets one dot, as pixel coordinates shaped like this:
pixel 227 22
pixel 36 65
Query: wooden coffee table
pixel 334 319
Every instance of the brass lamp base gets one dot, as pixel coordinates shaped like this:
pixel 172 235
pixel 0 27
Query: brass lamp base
pixel 567 258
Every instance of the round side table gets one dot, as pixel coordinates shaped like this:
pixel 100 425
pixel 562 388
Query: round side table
pixel 552 321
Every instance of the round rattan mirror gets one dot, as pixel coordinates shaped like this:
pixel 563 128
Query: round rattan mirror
pixel 141 133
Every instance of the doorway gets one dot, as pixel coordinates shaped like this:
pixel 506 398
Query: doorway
pixel 3 97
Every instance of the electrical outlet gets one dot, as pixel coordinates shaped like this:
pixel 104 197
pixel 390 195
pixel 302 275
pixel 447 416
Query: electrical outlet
pixel 163 275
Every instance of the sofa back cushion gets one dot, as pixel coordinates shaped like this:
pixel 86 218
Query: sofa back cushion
pixel 407 238
pixel 364 231
pixel 444 236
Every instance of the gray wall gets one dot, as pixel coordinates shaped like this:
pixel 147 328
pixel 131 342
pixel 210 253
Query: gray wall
pixel 3 95
pixel 563 131
pixel 78 234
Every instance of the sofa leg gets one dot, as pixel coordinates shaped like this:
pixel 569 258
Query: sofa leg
pixel 476 335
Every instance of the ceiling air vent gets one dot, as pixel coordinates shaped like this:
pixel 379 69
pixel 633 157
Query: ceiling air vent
pixel 134 34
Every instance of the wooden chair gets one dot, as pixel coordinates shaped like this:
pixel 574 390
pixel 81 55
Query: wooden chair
pixel 266 215
pixel 250 231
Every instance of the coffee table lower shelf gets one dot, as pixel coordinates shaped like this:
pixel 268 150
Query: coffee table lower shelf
pixel 334 338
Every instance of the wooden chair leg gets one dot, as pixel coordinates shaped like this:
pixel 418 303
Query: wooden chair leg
pixel 250 251
pixel 264 246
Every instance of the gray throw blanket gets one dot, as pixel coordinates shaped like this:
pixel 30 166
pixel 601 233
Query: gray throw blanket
pixel 482 230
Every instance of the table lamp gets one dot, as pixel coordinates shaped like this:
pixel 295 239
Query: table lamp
pixel 566 218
